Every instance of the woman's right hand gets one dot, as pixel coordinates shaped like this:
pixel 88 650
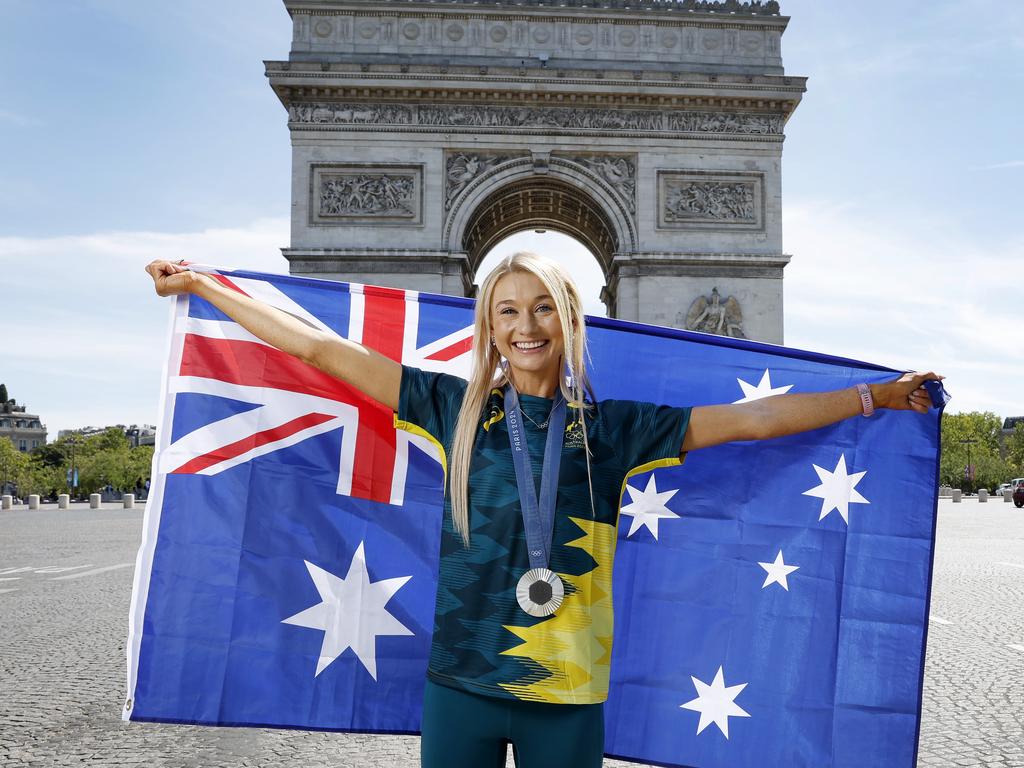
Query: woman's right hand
pixel 170 279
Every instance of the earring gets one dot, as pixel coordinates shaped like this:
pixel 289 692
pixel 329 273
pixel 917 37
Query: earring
pixel 492 341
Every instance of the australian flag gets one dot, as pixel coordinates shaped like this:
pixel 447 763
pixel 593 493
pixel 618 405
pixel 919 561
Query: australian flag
pixel 771 598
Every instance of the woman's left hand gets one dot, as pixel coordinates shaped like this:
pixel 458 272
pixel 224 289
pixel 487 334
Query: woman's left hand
pixel 905 393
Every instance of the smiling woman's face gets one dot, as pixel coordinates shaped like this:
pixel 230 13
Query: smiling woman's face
pixel 527 329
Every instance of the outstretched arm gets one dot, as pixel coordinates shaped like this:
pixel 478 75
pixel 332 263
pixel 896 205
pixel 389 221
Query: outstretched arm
pixel 365 369
pixel 789 414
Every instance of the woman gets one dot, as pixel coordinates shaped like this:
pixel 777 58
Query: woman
pixel 523 622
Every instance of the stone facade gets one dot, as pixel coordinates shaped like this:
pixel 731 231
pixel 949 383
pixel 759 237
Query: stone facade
pixel 23 429
pixel 425 132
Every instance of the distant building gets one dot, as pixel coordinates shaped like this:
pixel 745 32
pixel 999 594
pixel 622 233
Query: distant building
pixel 137 435
pixel 23 429
pixel 144 435
pixel 1010 423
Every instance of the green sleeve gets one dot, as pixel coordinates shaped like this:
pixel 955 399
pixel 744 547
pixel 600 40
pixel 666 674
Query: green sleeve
pixel 431 402
pixel 642 433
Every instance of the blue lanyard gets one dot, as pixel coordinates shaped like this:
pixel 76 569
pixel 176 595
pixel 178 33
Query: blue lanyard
pixel 538 519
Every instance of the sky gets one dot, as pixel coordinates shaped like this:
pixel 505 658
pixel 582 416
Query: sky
pixel 138 130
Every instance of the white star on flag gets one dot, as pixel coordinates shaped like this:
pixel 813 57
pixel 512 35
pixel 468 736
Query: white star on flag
pixel 351 613
pixel 716 703
pixel 837 490
pixel 647 507
pixel 777 572
pixel 763 389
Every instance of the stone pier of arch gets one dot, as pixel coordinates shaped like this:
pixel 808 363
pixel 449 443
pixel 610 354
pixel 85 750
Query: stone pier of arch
pixel 423 133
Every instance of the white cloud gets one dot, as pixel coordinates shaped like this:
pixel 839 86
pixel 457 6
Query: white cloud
pixel 83 330
pixel 999 166
pixel 17 119
pixel 908 294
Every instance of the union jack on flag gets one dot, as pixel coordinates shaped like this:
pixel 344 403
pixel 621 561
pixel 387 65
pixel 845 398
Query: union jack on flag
pixel 770 599
pixel 295 401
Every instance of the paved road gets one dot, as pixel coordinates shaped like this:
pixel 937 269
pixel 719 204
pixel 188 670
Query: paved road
pixel 62 654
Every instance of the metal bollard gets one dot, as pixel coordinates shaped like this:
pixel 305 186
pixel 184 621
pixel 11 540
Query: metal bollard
pixel 7 501
pixel 94 501
pixel 33 501
pixel 63 500
pixel 982 494
pixel 957 495
pixel 129 500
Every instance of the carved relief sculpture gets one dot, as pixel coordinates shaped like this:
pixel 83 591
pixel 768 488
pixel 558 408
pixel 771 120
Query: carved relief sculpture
pixel 619 171
pixel 568 118
pixel 461 168
pixel 368 195
pixel 327 112
pixel 709 315
pixel 714 200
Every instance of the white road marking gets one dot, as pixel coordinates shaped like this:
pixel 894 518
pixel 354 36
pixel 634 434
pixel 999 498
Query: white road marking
pixel 8 571
pixel 62 568
pixel 11 578
pixel 1016 647
pixel 7 590
pixel 938 619
pixel 1011 565
pixel 92 572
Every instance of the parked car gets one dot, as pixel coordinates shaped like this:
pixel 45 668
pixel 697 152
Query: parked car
pixel 1003 487
pixel 1018 492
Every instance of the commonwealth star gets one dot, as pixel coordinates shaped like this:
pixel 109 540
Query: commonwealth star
pixel 716 703
pixel 351 613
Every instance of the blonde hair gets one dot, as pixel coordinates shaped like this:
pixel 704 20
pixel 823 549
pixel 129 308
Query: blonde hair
pixel 488 373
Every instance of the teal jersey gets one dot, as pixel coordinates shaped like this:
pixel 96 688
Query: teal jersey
pixel 483 641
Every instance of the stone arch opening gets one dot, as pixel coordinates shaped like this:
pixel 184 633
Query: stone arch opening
pixel 539 202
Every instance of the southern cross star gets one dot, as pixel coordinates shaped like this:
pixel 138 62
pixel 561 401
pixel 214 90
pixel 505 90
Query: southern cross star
pixel 777 572
pixel 837 490
pixel 647 507
pixel 764 388
pixel 351 613
pixel 716 703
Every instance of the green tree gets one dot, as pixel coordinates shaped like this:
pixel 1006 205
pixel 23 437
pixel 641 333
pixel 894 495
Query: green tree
pixel 1015 449
pixel 3 393
pixel 15 468
pixel 49 455
pixel 990 467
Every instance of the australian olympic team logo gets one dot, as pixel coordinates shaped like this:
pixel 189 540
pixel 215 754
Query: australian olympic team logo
pixel 573 435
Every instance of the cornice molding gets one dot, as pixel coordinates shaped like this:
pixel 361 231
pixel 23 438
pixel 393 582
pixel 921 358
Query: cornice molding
pixel 288 75
pixel 710 8
pixel 461 14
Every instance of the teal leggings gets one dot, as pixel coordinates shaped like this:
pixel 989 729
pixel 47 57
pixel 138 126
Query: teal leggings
pixel 466 730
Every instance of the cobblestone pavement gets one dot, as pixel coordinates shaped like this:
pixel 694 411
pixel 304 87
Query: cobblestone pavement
pixel 62 664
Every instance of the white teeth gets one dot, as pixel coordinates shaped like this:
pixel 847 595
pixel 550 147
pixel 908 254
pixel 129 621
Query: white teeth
pixel 529 344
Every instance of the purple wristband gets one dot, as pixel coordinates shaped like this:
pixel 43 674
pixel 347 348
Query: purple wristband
pixel 866 401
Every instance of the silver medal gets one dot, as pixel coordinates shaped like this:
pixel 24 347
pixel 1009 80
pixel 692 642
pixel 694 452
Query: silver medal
pixel 540 592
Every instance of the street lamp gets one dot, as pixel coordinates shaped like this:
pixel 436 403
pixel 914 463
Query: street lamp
pixel 969 472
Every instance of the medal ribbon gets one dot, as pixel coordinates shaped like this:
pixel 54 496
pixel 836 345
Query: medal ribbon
pixel 538 519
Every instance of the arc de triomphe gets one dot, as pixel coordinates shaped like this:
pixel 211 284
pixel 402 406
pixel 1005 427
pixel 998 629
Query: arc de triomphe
pixel 650 130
